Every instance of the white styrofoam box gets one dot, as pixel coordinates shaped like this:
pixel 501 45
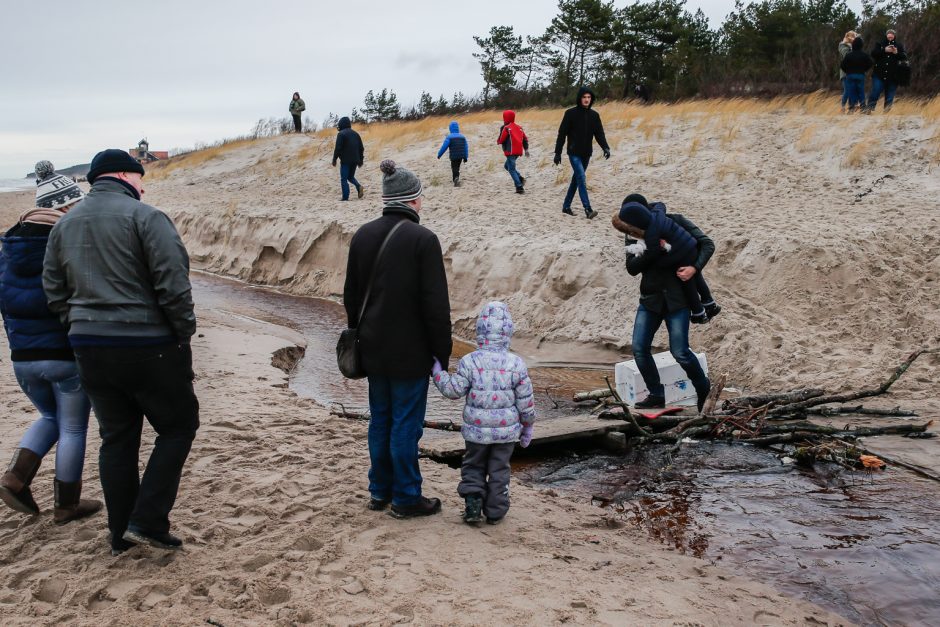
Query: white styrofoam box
pixel 677 387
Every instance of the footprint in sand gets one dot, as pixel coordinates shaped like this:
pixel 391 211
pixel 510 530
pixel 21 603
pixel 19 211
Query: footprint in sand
pixel 50 590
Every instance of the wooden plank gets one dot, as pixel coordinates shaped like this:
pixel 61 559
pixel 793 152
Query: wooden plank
pixel 443 445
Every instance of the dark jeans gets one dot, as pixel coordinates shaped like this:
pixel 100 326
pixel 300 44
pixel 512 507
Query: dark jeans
pixel 855 88
pixel 579 166
pixel 397 409
pixel 677 325
pixel 125 385
pixel 510 166
pixel 485 473
pixel 455 168
pixel 347 175
pixel 297 125
pixel 877 86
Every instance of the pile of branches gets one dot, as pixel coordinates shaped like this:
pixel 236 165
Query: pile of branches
pixel 771 419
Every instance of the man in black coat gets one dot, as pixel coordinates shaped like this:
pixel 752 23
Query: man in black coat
pixel 405 326
pixel 580 126
pixel 663 300
pixel 888 56
pixel 350 152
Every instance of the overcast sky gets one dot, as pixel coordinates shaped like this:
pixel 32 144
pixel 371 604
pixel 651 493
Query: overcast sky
pixel 78 77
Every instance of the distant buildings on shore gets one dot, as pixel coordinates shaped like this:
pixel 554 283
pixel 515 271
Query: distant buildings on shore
pixel 143 154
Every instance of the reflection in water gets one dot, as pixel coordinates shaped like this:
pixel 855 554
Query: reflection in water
pixel 865 547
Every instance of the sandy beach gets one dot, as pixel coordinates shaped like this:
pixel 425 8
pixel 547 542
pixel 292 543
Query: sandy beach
pixel 827 268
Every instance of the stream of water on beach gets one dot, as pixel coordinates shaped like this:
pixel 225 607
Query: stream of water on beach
pixel 865 546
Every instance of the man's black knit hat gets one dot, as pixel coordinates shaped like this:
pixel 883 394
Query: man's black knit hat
pixel 113 160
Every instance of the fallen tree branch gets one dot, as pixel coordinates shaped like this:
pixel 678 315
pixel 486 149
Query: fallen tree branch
pixel 713 395
pixel 759 400
pixel 841 411
pixel 626 410
pixel 594 395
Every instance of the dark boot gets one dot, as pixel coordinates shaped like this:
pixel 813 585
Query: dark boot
pixel 360 191
pixel 699 318
pixel 165 541
pixel 377 505
pixel 14 485
pixel 712 310
pixel 69 505
pixel 474 511
pixel 424 507
pixel 651 402
pixel 590 213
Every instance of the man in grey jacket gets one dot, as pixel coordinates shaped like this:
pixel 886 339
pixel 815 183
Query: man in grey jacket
pixel 117 273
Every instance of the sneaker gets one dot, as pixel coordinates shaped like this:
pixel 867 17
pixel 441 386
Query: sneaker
pixel 377 505
pixel 568 211
pixel 712 310
pixel 424 507
pixel 591 214
pixel 457 182
pixel 651 402
pixel 360 191
pixel 493 521
pixel 119 545
pixel 474 511
pixel 521 181
pixel 165 541
pixel 699 318
pixel 520 190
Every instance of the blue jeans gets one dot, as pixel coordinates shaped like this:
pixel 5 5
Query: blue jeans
pixel 397 408
pixel 55 389
pixel 347 175
pixel 510 166
pixel 845 92
pixel 855 87
pixel 878 86
pixel 677 325
pixel 578 182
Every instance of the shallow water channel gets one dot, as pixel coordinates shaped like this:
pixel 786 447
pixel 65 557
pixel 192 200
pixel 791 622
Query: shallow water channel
pixel 865 546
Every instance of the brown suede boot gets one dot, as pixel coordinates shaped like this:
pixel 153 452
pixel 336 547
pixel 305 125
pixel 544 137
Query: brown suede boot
pixel 14 484
pixel 69 505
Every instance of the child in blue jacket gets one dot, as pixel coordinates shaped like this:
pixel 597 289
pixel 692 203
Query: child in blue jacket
pixel 459 150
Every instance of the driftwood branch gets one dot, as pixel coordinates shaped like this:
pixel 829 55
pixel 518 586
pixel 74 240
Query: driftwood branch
pixel 778 398
pixel 713 394
pixel 594 395
pixel 626 410
pixel 846 410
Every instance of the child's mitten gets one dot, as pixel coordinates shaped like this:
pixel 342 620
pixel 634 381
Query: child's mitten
pixel 526 436
pixel 637 248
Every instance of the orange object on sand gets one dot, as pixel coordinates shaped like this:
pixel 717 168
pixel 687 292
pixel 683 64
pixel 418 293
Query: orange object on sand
pixel 653 415
pixel 871 462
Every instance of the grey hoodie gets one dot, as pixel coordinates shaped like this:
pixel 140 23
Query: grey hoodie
pixel 117 267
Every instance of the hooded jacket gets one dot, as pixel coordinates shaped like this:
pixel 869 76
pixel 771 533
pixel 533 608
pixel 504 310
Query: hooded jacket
pixel 683 245
pixel 496 383
pixel 457 143
pixel 34 332
pixel 349 149
pixel 886 65
pixel 857 61
pixel 511 136
pixel 580 127
pixel 297 106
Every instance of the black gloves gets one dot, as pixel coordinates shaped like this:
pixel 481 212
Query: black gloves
pixel 606 153
pixel 557 159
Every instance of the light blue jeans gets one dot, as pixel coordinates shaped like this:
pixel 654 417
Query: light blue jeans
pixel 578 182
pixel 510 167
pixel 55 389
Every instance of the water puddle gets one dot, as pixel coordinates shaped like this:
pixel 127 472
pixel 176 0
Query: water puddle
pixel 867 547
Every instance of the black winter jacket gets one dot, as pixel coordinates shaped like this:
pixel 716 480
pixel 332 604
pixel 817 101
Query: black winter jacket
pixel 660 288
pixel 886 65
pixel 407 318
pixel 580 127
pixel 349 149
pixel 856 62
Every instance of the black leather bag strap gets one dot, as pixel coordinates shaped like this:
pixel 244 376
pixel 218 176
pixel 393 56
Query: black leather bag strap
pixel 375 264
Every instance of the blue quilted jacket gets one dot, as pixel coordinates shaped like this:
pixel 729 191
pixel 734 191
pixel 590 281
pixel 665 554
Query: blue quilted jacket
pixel 496 383
pixel 456 143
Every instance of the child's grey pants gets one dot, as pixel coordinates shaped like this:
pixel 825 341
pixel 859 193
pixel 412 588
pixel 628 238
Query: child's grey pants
pixel 485 472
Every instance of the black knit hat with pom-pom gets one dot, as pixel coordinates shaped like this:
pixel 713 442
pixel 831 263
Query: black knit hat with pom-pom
pixel 398 184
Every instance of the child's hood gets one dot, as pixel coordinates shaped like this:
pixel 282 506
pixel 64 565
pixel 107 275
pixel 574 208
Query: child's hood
pixel 509 116
pixel 494 327
pixel 454 127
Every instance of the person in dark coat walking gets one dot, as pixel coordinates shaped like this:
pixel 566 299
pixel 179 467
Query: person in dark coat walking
pixel 855 65
pixel 117 274
pixel 888 56
pixel 580 126
pixel 662 299
pixel 297 107
pixel 350 152
pixel 43 361
pixel 459 149
pixel 404 328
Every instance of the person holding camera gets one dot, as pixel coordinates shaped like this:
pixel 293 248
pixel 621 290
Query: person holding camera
pixel 889 57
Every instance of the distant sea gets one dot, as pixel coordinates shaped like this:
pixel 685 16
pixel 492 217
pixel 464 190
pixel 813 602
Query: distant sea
pixel 16 185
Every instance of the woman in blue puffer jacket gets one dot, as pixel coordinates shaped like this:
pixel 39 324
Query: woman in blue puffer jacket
pixel 42 358
pixel 499 412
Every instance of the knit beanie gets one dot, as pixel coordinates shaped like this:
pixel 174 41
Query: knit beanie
pixel 635 214
pixel 53 190
pixel 398 183
pixel 640 198
pixel 113 160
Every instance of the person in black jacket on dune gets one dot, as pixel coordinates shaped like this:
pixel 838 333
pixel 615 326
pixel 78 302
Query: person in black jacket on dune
pixel 350 152
pixel 580 126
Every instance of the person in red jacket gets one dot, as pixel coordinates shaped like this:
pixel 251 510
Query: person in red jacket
pixel 515 143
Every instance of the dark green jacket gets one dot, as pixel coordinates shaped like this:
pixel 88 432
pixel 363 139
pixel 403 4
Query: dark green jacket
pixel 660 288
pixel 117 267
pixel 297 106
